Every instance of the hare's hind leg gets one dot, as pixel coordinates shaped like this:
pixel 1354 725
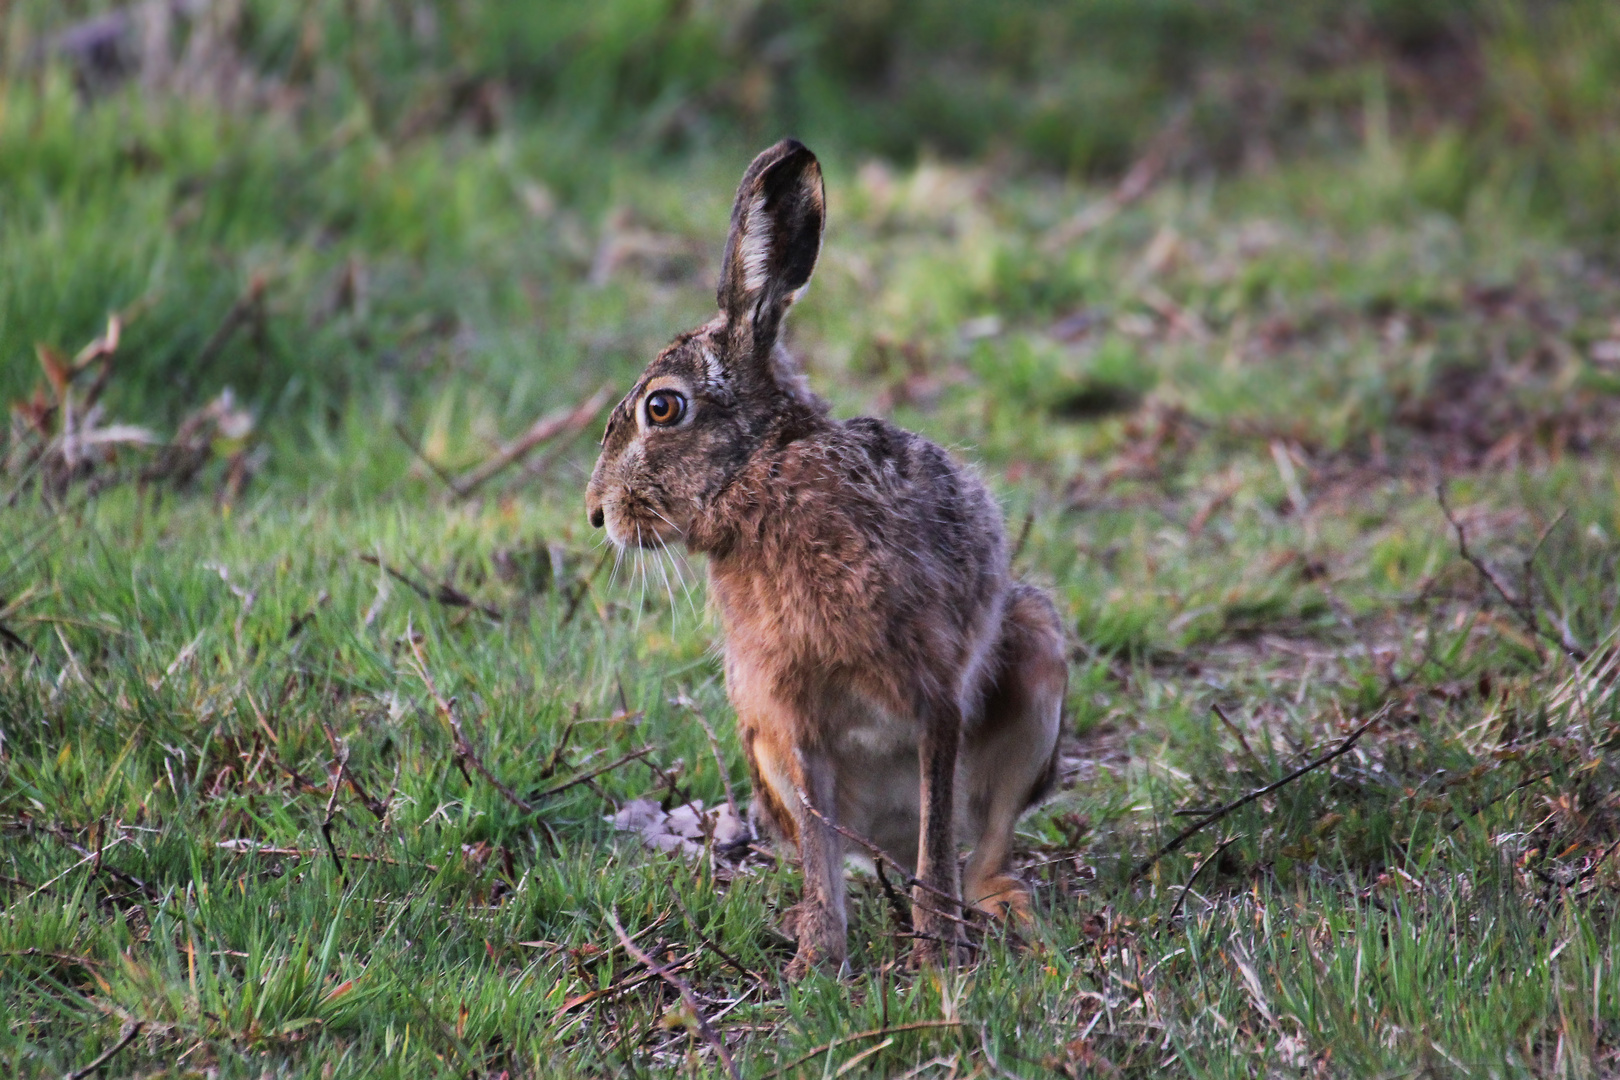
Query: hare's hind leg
pixel 1011 751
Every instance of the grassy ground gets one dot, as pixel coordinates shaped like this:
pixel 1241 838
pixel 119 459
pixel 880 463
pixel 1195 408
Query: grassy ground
pixel 239 832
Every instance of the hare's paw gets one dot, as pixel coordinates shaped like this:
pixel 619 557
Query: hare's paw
pixel 819 936
pixel 1001 897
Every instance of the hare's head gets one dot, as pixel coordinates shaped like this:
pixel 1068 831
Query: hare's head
pixel 703 405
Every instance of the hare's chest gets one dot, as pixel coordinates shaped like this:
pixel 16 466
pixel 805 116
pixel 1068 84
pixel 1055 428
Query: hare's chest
pixel 792 618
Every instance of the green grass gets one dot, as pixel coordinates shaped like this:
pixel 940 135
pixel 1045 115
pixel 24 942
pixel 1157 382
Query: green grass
pixel 1223 414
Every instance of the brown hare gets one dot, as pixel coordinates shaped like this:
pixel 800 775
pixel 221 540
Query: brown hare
pixel 884 666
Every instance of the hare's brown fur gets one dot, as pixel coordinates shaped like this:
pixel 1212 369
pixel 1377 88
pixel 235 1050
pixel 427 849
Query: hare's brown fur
pixel 883 664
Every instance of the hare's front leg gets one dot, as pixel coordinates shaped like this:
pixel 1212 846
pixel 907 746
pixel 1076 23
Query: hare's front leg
pixel 786 778
pixel 934 911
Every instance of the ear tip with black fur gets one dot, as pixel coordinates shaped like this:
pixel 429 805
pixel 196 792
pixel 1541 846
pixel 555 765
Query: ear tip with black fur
pixel 788 157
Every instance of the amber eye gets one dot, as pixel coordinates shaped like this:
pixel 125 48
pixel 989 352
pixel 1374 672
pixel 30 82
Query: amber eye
pixel 665 408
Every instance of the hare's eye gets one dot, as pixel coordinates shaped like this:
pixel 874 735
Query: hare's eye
pixel 665 408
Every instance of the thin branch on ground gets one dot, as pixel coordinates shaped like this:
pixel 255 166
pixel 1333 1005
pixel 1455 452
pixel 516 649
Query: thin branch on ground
pixel 445 593
pixel 691 920
pixel 421 455
pixel 379 810
pixel 1187 888
pixel 129 879
pixel 331 810
pixel 464 748
pixel 1141 179
pixel 1237 733
pixel 585 586
pixel 898 908
pixel 131 1029
pixel 877 853
pixel 1209 819
pixel 875 1033
pixel 247 307
pixel 566 421
pixel 1522 606
pixel 1480 807
pixel 714 747
pixel 622 759
pixel 249 847
pixel 710 1036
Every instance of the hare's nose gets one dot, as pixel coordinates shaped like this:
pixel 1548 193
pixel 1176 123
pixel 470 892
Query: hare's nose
pixel 597 518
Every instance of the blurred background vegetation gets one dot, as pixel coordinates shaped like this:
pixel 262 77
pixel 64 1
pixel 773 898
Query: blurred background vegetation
pixel 163 153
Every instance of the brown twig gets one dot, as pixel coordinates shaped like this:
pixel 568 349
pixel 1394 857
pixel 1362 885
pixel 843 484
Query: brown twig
pixel 897 904
pixel 714 748
pixel 131 1029
pixel 1237 733
pixel 59 957
pixel 1187 888
pixel 857 1037
pixel 421 455
pixel 1209 819
pixel 1488 803
pixel 691 920
pixel 622 759
pixel 248 306
pixel 464 748
pixel 445 593
pixel 547 427
pixel 585 586
pixel 310 853
pixel 1142 177
pixel 877 853
pixel 129 879
pixel 681 987
pixel 379 810
pixel 331 809
pixel 619 987
pixel 1523 607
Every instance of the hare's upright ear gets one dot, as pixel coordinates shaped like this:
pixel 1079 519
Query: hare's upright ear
pixel 775 237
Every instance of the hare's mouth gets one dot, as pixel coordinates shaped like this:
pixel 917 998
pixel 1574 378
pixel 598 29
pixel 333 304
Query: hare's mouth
pixel 635 522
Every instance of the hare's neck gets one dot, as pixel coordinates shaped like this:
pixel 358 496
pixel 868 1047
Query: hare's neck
pixel 740 513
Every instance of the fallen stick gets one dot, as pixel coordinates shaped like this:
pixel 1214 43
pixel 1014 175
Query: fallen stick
pixel 877 853
pixel 689 998
pixel 1141 178
pixel 131 1029
pixel 464 748
pixel 1187 888
pixel 252 848
pixel 691 920
pixel 247 306
pixel 622 759
pixel 585 586
pixel 617 988
pixel 858 1036
pixel 1190 831
pixel 378 810
pixel 547 427
pixel 446 593
pixel 466 752
pixel 1522 606
pixel 326 822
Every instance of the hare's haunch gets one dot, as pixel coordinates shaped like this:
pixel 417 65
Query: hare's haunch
pixel 883 664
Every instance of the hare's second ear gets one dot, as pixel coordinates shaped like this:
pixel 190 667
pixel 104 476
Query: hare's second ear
pixel 775 237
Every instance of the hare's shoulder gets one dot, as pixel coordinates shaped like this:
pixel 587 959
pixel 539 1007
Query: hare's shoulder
pixel 877 452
